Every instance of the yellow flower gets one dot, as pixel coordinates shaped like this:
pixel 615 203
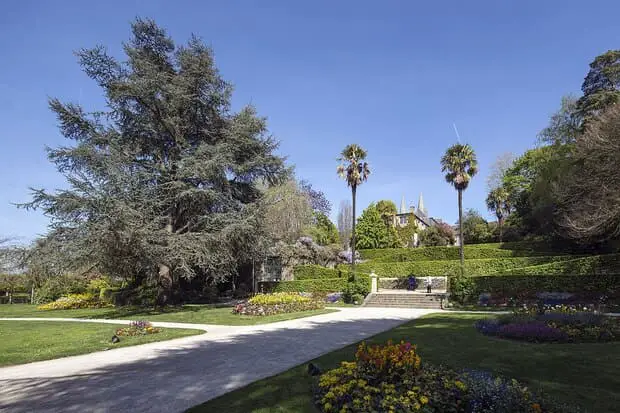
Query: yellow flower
pixel 327 407
pixel 423 399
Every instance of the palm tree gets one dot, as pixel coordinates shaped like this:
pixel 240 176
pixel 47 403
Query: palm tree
pixel 497 201
pixel 460 165
pixel 355 171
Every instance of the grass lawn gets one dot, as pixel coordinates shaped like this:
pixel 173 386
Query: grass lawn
pixel 27 341
pixel 585 375
pixel 199 314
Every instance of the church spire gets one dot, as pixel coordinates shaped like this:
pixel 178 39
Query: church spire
pixel 402 205
pixel 421 208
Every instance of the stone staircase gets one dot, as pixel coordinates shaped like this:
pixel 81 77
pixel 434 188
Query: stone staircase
pixel 404 299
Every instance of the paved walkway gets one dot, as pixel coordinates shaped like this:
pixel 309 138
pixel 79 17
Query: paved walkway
pixel 171 376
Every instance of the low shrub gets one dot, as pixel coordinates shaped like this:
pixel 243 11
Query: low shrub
pixel 478 251
pixel 552 325
pixel 312 272
pixel 272 309
pixel 138 328
pixel 55 287
pixel 392 378
pixel 473 267
pixel 356 290
pixel 74 301
pixel 278 298
pixel 527 288
pixel 595 264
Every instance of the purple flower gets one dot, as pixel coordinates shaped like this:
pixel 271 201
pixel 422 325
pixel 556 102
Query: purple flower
pixel 535 331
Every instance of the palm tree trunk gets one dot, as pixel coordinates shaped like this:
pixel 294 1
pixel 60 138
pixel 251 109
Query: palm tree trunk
pixel 462 239
pixel 353 191
pixel 500 222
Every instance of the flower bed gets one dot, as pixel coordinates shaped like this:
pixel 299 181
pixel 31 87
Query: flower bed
pixel 277 303
pixel 138 328
pixel 75 301
pixel 552 324
pixel 392 378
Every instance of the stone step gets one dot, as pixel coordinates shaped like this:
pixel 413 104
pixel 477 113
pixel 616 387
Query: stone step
pixel 404 300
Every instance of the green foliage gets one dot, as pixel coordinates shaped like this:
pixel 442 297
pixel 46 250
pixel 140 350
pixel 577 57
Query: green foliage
pixel 323 231
pixel 440 235
pixel 386 209
pixel 475 228
pixel 356 289
pixel 311 272
pixel 406 234
pixel 601 85
pixel 320 285
pixel 277 298
pixel 74 302
pixel 493 250
pixel 595 264
pixel 256 309
pixel 371 230
pixel 460 165
pixel 55 287
pixel 521 287
pixel 164 183
pixel 353 166
pixel 462 289
pixel 473 267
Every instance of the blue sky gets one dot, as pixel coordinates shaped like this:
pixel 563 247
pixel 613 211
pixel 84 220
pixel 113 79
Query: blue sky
pixel 392 76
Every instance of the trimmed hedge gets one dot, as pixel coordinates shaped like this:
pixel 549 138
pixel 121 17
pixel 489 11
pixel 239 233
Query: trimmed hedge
pixel 319 285
pixel 477 251
pixel 596 264
pixel 452 267
pixel 527 286
pixel 312 272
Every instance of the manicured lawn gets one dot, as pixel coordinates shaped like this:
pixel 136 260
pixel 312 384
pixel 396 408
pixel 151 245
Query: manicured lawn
pixel 585 375
pixel 200 314
pixel 27 341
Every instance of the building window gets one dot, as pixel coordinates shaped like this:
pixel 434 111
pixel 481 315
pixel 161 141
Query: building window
pixel 403 220
pixel 273 269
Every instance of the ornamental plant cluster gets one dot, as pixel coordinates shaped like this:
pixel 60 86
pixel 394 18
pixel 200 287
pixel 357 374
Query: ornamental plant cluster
pixel 553 324
pixel 138 328
pixel 392 378
pixel 75 301
pixel 278 303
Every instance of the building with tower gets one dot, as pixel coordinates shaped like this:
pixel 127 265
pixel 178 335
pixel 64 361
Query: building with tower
pixel 418 214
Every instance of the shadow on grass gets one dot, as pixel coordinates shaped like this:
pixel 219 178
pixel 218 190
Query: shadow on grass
pixel 180 378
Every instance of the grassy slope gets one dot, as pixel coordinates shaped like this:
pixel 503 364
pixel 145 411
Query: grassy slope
pixel 581 374
pixel 28 341
pixel 199 314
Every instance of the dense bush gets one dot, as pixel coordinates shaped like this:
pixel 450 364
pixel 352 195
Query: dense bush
pixel 309 272
pixel 473 267
pixel 278 298
pixel 552 325
pixel 392 378
pixel 138 328
pixel 595 264
pixel 528 287
pixel 74 301
pixel 321 285
pixel 55 287
pixel 356 290
pixel 278 303
pixel 479 251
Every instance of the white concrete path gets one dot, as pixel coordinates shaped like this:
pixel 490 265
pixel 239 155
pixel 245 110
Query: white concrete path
pixel 171 376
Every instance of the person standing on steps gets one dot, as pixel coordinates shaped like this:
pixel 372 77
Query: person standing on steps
pixel 429 283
